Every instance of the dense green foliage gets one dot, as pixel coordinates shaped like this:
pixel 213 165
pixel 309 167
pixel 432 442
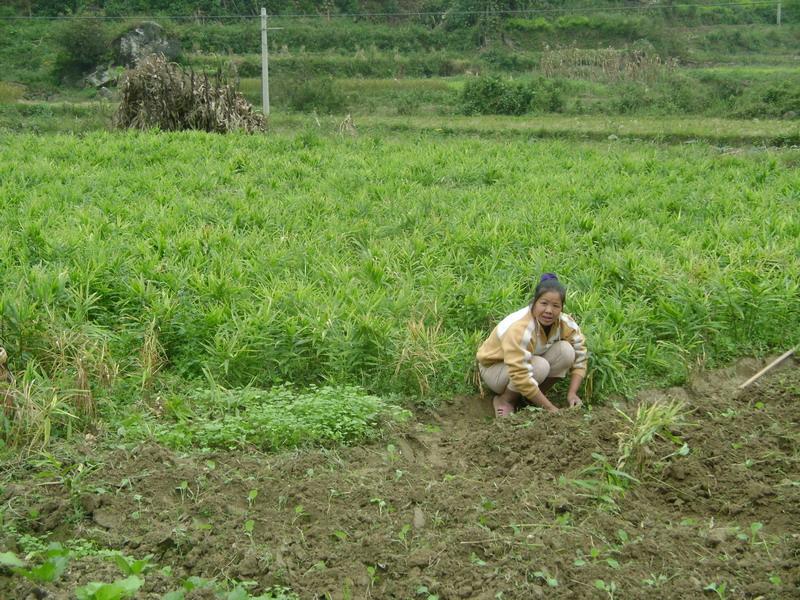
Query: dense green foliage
pixel 320 95
pixel 453 13
pixel 457 39
pixel 495 96
pixel 273 420
pixel 138 261
pixel 83 46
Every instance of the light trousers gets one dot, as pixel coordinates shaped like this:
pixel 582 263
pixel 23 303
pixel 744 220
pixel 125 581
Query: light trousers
pixel 553 363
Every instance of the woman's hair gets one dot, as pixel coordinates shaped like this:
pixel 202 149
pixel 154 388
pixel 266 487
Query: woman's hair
pixel 548 282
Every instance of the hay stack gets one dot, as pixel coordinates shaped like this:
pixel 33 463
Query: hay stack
pixel 160 94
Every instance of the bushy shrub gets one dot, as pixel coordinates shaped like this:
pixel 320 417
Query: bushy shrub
pixel 631 98
pixel 321 95
pixel 775 100
pixel 548 95
pixel 407 104
pixel 682 94
pixel 508 61
pixel 83 45
pixel 496 96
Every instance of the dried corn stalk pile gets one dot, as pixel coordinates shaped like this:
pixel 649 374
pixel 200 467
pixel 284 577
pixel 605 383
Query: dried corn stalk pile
pixel 160 94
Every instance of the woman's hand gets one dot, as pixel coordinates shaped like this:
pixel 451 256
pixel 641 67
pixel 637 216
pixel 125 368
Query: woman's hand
pixel 541 401
pixel 573 400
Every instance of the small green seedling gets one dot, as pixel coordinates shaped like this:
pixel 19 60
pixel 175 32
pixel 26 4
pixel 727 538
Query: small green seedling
pixel 754 536
pixel 9 559
pixel 136 515
pixel 426 593
pixel 183 489
pixel 476 560
pixel 564 519
pixel 775 580
pixel 607 587
pixel 56 558
pixel 251 497
pixel 122 588
pixel 130 566
pixel 340 535
pixel 392 454
pixel 380 502
pixel 755 532
pixel 372 571
pixel 718 589
pixel 299 513
pixel 402 535
pixel 547 578
pixel 655 581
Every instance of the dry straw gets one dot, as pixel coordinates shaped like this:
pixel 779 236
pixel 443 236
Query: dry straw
pixel 605 64
pixel 160 94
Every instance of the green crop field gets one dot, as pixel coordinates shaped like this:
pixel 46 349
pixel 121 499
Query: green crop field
pixel 160 261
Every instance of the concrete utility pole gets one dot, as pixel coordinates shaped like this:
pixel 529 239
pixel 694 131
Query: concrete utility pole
pixel 779 14
pixel 264 64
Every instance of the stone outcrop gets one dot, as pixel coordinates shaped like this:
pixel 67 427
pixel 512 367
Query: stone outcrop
pixel 145 39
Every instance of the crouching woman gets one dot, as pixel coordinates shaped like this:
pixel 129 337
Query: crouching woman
pixel 532 348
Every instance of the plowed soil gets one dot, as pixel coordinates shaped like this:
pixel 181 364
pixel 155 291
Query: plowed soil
pixel 456 505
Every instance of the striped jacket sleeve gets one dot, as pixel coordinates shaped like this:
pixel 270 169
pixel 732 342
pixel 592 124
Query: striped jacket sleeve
pixel 517 356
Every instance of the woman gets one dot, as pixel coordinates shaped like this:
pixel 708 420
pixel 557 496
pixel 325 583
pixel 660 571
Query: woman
pixel 531 348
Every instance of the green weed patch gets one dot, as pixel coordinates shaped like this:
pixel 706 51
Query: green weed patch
pixel 276 419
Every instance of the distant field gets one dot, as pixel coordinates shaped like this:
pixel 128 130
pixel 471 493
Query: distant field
pixel 722 131
pixel 749 70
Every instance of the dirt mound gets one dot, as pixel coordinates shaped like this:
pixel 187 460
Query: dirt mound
pixel 461 506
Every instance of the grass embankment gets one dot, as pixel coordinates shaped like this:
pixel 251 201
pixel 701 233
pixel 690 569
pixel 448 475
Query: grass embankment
pixel 32 52
pixel 85 117
pixel 742 92
pixel 670 130
pixel 146 266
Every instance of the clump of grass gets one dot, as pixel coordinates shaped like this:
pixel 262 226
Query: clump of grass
pixel 651 421
pixel 151 355
pixel 160 94
pixel 422 350
pixel 606 64
pixel 34 409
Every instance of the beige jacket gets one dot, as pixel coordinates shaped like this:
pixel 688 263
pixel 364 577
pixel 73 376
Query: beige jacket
pixel 519 337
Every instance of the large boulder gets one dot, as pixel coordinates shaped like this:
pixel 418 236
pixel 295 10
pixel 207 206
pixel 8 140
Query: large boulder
pixel 145 39
pixel 103 76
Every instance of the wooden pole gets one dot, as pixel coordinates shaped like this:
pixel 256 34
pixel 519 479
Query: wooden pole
pixel 264 64
pixel 768 368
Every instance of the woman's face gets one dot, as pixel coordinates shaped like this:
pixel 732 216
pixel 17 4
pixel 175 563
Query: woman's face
pixel 547 308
